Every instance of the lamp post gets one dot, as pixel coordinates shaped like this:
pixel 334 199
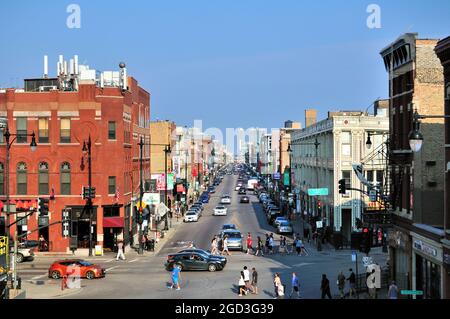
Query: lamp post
pixel 141 195
pixel 86 150
pixel 7 135
pixel 415 136
pixel 167 150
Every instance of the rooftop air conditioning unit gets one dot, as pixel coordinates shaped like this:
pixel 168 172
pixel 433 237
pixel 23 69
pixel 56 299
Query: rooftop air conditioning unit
pixel 46 88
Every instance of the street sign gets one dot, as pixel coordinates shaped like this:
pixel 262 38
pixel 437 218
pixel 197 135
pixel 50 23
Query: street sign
pixel 411 292
pixel 367 261
pixel 319 224
pixel 373 195
pixel 318 192
pixel 277 176
pixel 353 256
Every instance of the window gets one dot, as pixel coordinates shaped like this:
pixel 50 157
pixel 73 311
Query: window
pixel 43 178
pixel 21 178
pixel 447 91
pixel 346 140
pixel 370 176
pixel 43 130
pixel 111 130
pixel 348 182
pixel 64 135
pixel 21 130
pixel 65 178
pixel 2 179
pixel 2 138
pixel 380 177
pixel 111 185
pixel 111 211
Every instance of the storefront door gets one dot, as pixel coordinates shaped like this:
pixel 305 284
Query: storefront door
pixel 428 278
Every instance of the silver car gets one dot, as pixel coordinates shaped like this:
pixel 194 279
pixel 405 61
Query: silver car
pixel 285 227
pixel 234 239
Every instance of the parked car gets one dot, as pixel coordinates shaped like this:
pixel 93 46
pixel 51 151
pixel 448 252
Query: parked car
pixel 29 244
pixel 212 190
pixel 23 254
pixel 285 227
pixel 220 211
pixel 229 226
pixel 191 216
pixel 80 267
pixel 195 261
pixel 226 199
pixel 245 200
pixel 272 215
pixel 204 199
pixel 234 239
pixel 278 220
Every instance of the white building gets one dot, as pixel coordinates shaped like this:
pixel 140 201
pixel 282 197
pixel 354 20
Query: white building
pixel 342 137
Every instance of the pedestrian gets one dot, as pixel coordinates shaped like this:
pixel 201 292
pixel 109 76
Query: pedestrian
pixel 393 291
pixel 295 285
pixel 247 280
pixel 176 276
pixel 351 282
pixel 325 287
pixel 271 244
pixel 259 247
pixel 341 284
pixel 278 286
pixel 373 289
pixel 242 289
pixel 267 243
pixel 282 245
pixel 120 253
pixel 214 246
pixel 298 246
pixel 225 246
pixel 249 243
pixel 254 281
pixel 302 248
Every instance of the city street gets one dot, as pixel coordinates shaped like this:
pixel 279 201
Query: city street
pixel 145 276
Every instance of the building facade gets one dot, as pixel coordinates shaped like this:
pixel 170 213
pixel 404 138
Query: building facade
pixel 114 112
pixel 323 154
pixel 443 52
pixel 416 180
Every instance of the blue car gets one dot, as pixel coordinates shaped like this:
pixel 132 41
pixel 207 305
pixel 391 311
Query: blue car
pixel 204 199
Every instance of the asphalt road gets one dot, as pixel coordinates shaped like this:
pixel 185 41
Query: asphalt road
pixel 145 276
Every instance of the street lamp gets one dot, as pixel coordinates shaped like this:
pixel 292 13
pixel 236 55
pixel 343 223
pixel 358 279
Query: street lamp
pixel 86 150
pixel 7 135
pixel 415 136
pixel 167 150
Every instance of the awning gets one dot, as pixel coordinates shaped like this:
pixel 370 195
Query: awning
pixel 113 222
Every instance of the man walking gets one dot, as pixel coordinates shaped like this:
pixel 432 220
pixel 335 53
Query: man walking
pixel 352 283
pixel 249 243
pixel 259 247
pixel 267 243
pixel 254 281
pixel 325 287
pixel 295 286
pixel 120 253
pixel 271 244
pixel 247 279
pixel 341 284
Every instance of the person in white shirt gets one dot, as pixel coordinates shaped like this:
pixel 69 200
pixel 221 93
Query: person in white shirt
pixel 241 284
pixel 248 286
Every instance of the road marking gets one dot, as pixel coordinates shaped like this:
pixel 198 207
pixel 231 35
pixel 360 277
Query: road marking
pixel 111 268
pixel 38 277
pixel 302 264
pixel 108 261
pixel 132 261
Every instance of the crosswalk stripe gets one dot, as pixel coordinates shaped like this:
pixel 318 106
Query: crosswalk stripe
pixel 111 268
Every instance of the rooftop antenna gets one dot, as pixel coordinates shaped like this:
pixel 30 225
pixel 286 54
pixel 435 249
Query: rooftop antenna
pixel 45 66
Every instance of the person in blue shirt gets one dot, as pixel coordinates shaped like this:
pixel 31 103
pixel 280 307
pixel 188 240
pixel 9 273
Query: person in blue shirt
pixel 295 285
pixel 176 275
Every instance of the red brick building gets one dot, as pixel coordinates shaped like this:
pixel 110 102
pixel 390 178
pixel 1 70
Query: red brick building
pixel 443 52
pixel 63 112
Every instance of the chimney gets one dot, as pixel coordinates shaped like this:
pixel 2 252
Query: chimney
pixel 310 117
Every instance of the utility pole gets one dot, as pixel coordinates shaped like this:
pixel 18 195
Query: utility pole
pixel 141 195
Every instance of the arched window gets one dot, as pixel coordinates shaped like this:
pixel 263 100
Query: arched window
pixel 21 178
pixel 2 179
pixel 65 178
pixel 43 178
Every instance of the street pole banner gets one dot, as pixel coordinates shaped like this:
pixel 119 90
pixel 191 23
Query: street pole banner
pixel 3 255
pixel 359 171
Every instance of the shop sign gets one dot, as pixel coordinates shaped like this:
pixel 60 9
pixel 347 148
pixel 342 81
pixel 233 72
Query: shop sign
pixel 427 249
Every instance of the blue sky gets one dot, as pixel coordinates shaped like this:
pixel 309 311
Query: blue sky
pixel 250 63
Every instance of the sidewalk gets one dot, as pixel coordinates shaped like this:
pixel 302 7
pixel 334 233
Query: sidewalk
pixel 47 289
pixel 298 226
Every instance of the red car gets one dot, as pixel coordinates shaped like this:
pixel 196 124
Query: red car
pixel 78 267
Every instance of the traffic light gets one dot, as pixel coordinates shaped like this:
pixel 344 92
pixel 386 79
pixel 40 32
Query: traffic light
pixel 88 193
pixel 366 241
pixel 43 206
pixel 140 216
pixel 342 189
pixel 319 205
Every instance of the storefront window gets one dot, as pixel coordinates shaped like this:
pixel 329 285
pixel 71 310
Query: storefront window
pixel 428 278
pixel 111 211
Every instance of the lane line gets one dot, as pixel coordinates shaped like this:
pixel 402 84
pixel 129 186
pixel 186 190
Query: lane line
pixel 132 261
pixel 108 261
pixel 38 277
pixel 111 268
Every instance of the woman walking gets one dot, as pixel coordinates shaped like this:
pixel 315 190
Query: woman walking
pixel 242 288
pixel 225 246
pixel 279 289
pixel 214 246
pixel 282 249
pixel 259 247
